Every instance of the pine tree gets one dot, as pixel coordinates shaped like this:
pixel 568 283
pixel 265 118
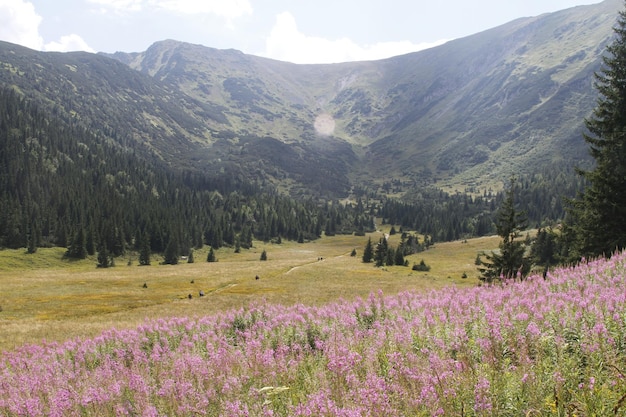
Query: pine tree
pixel 597 218
pixel 190 259
pixel 368 252
pixel 380 253
pixel 104 259
pixel 390 256
pixel 170 256
pixel 211 256
pixel 144 250
pixel 511 260
pixel 399 257
pixel 263 255
pixel 78 247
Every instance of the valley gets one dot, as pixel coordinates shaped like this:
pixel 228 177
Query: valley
pixel 46 298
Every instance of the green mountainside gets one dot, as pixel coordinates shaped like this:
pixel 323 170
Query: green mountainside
pixel 467 114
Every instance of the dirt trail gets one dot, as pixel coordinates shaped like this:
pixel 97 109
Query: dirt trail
pixel 320 259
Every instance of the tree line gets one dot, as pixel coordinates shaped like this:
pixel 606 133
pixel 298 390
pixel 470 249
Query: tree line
pixel 66 185
pixel 62 184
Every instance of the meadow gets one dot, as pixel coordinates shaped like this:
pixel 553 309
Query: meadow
pixel 541 347
pixel 44 297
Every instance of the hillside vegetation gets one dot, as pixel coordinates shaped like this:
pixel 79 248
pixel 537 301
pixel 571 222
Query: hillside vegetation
pixel 510 100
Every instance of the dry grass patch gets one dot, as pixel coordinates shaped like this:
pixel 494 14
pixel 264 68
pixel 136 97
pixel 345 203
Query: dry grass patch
pixel 45 297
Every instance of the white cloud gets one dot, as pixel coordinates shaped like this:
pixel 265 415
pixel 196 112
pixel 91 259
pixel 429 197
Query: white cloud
pixel 228 9
pixel 287 43
pixel 68 43
pixel 19 23
pixel 119 6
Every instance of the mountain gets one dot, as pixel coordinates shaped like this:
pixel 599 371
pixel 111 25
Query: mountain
pixel 473 111
pixel 468 113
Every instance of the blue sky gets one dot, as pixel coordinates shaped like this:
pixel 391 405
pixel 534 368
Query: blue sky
pixel 300 31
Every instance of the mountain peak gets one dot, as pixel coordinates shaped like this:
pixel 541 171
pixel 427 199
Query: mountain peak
pixel 509 100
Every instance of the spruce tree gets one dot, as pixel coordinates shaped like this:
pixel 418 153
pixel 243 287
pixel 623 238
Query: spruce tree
pixel 597 218
pixel 78 247
pixel 211 256
pixel 368 252
pixel 380 254
pixel 171 252
pixel 144 250
pixel 399 257
pixel 511 260
pixel 104 259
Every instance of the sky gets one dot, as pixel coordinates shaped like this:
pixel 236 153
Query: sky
pixel 299 31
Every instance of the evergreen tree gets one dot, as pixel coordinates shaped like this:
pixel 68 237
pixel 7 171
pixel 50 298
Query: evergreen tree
pixel 510 260
pixel 544 250
pixel 170 256
pixel 211 256
pixel 368 252
pixel 190 259
pixel 78 247
pixel 399 257
pixel 91 242
pixel 104 259
pixel 597 218
pixel 390 256
pixel 144 250
pixel 263 255
pixel 380 254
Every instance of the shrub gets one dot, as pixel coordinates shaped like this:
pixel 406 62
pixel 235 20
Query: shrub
pixel 421 266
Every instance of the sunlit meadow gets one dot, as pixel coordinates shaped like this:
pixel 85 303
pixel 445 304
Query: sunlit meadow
pixel 552 347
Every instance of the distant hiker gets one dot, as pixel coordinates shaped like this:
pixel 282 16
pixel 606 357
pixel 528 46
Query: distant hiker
pixel 201 293
pixel 189 296
pixel 257 277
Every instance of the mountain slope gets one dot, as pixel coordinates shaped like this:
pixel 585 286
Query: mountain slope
pixel 505 99
pixel 472 111
pixel 468 113
pixel 105 95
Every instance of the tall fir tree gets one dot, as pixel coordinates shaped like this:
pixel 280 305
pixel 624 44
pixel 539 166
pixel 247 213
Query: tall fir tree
pixel 170 256
pixel 368 252
pixel 511 260
pixel 380 253
pixel 104 259
pixel 211 256
pixel 596 223
pixel 144 250
pixel 78 247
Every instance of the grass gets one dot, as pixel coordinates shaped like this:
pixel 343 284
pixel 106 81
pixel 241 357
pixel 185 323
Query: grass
pixel 43 297
pixel 540 347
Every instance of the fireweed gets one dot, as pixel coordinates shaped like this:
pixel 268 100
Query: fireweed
pixel 539 347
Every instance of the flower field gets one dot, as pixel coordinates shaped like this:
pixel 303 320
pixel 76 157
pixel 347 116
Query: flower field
pixel 536 348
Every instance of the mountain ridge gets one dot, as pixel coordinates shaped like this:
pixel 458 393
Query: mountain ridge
pixel 468 113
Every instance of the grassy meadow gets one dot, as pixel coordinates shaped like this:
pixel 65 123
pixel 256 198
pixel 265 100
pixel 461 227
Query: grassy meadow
pixel 553 346
pixel 44 297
